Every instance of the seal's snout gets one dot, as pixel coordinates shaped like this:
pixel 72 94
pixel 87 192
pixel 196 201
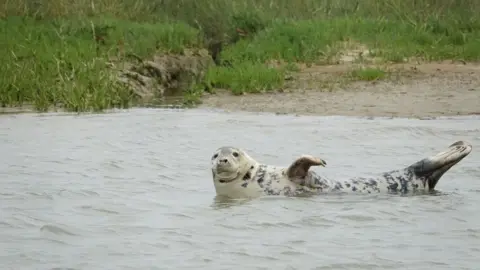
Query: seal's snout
pixel 223 164
pixel 222 161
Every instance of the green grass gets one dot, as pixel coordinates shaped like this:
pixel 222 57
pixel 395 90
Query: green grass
pixel 60 63
pixel 51 54
pixel 246 77
pixel 319 41
pixel 368 74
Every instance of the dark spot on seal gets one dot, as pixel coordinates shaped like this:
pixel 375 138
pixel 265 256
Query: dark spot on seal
pixel 347 185
pixel 270 191
pixel 393 186
pixel 247 176
pixel 403 184
pixel 260 175
pixel 354 188
pixel 245 184
pixel 338 186
pixel 373 182
pixel 251 168
pixel 415 185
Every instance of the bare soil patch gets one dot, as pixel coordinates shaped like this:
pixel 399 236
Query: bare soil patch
pixel 411 90
pixel 165 74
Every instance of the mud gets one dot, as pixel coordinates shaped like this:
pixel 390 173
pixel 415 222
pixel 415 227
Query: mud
pixel 165 74
pixel 411 90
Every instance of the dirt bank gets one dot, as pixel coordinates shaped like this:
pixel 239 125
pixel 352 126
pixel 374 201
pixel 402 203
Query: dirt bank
pixel 411 90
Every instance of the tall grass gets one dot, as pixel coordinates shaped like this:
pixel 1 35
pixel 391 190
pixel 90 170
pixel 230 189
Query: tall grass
pixel 57 52
pixel 65 62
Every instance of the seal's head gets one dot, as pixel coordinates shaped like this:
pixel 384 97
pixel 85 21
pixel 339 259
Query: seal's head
pixel 230 164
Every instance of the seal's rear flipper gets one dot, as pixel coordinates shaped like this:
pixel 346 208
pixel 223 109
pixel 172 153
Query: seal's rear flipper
pixel 432 168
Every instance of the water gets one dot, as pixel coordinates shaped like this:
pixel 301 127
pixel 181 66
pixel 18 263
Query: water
pixel 133 190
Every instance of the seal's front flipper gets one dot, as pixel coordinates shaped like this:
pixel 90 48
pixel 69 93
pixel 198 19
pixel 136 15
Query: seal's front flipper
pixel 297 171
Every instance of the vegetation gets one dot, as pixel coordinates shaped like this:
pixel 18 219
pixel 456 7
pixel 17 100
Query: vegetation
pixel 60 52
pixel 368 74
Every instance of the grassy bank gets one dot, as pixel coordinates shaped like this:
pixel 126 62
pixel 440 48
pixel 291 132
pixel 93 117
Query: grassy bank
pixel 65 62
pixel 59 53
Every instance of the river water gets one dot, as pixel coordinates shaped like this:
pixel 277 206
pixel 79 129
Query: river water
pixel 133 190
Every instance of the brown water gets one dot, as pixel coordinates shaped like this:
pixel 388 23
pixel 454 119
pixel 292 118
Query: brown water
pixel 133 190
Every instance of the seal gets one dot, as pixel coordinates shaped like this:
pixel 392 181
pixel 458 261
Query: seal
pixel 237 175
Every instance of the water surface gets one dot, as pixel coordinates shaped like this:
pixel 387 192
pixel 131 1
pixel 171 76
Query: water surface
pixel 133 190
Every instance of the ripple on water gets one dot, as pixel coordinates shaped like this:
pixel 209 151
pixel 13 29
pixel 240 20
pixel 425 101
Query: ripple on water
pixel 55 229
pixel 101 210
pixel 105 196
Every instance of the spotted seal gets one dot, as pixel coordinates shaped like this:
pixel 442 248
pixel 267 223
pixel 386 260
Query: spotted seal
pixel 237 175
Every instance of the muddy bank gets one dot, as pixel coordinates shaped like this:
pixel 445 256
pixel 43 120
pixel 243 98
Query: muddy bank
pixel 165 74
pixel 412 90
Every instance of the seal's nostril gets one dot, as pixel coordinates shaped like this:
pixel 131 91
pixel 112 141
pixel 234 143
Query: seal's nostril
pixel 224 160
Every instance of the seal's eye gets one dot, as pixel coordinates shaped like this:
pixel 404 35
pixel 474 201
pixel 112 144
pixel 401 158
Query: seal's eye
pixel 235 154
pixel 215 156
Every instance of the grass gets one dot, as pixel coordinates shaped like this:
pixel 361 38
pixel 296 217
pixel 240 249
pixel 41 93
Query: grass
pixel 319 41
pixel 59 53
pixel 64 63
pixel 368 74
pixel 246 77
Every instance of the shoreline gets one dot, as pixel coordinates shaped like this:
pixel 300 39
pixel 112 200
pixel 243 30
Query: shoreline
pixel 413 90
pixel 423 90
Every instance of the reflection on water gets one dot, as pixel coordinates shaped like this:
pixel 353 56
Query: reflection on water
pixel 133 190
